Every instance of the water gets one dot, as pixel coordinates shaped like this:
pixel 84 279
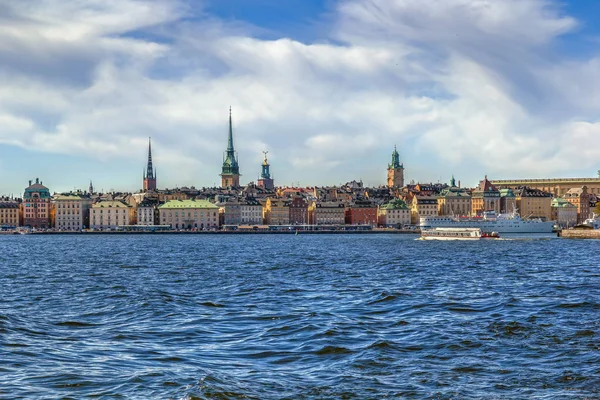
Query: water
pixel 298 317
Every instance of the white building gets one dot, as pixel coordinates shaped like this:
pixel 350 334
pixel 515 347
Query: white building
pixel 251 212
pixel 72 212
pixel 146 213
pixel 189 214
pixel 394 214
pixel 110 215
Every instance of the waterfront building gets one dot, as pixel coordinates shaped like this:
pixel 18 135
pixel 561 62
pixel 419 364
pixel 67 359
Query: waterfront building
pixel 149 183
pixel 9 214
pixel 71 211
pixel 423 206
pixel 327 213
pixel 485 197
pixel 251 211
pixel 508 201
pixel 557 186
pixel 230 171
pixel 189 214
pixel 277 211
pixel 394 214
pixel 36 205
pixel 298 210
pixel 361 212
pixel 110 214
pixel 579 198
pixel 395 171
pixel 265 181
pixel 231 209
pixel 563 212
pixel 147 213
pixel 454 200
pixel 534 203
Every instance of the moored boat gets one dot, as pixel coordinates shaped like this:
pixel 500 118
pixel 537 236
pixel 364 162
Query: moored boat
pixel 490 222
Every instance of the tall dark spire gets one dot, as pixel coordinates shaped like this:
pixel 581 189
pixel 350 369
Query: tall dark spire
pixel 149 169
pixel 150 175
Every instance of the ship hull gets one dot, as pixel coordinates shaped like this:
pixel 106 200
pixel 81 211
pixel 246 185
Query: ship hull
pixel 503 226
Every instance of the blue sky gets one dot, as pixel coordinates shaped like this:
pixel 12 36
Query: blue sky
pixel 510 89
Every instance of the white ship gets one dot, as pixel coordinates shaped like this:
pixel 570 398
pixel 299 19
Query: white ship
pixel 456 234
pixel 490 222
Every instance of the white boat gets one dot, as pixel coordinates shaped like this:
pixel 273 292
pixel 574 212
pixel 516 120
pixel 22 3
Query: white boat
pixel 594 222
pixel 456 234
pixel 490 222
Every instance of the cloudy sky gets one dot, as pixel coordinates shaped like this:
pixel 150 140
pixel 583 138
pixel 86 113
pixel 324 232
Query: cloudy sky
pixel 507 88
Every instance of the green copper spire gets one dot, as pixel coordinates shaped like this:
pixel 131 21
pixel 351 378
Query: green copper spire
pixel 395 159
pixel 452 181
pixel 230 164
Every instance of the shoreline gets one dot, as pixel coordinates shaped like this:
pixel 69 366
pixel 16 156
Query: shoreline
pixel 236 232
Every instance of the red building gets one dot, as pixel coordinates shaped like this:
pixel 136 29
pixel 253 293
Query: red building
pixel 298 210
pixel 361 212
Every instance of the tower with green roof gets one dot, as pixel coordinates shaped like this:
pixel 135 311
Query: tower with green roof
pixel 395 171
pixel 230 171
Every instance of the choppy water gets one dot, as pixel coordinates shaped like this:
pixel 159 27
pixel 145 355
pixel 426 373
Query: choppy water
pixel 298 317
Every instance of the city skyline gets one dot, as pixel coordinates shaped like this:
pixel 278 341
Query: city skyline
pixel 463 88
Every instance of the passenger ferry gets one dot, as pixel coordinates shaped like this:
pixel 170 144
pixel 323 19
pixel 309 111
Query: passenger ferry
pixel 457 234
pixel 490 222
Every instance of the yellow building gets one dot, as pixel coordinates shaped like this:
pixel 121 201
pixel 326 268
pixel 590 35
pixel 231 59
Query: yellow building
pixel 454 200
pixel 556 186
pixel 534 203
pixel 9 214
pixel 277 211
pixel 422 206
pixel 110 215
pixel 486 197
pixel 189 214
pixel 71 212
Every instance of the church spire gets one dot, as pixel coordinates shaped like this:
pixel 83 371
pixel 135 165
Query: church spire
pixel 230 149
pixel 150 176
pixel 149 169
pixel 230 171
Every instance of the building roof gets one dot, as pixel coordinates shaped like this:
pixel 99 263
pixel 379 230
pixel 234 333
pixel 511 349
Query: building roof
pixel 176 204
pixel 559 202
pixel 397 204
pixel 111 204
pixel 66 197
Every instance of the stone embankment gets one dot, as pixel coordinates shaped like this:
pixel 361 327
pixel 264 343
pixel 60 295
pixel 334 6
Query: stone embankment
pixel 580 233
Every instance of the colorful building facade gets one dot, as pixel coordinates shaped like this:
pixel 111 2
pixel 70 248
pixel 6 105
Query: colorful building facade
pixel 189 214
pixel 37 206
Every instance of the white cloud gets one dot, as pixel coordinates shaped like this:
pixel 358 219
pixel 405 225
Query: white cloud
pixel 471 86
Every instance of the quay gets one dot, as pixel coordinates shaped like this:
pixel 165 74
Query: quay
pixel 232 232
pixel 580 233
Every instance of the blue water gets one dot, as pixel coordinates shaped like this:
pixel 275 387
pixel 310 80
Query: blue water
pixel 298 317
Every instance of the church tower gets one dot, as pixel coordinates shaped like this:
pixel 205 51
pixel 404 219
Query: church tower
pixel 395 172
pixel 230 172
pixel 265 181
pixel 150 175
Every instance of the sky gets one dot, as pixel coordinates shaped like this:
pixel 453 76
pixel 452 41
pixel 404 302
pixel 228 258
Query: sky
pixel 508 89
